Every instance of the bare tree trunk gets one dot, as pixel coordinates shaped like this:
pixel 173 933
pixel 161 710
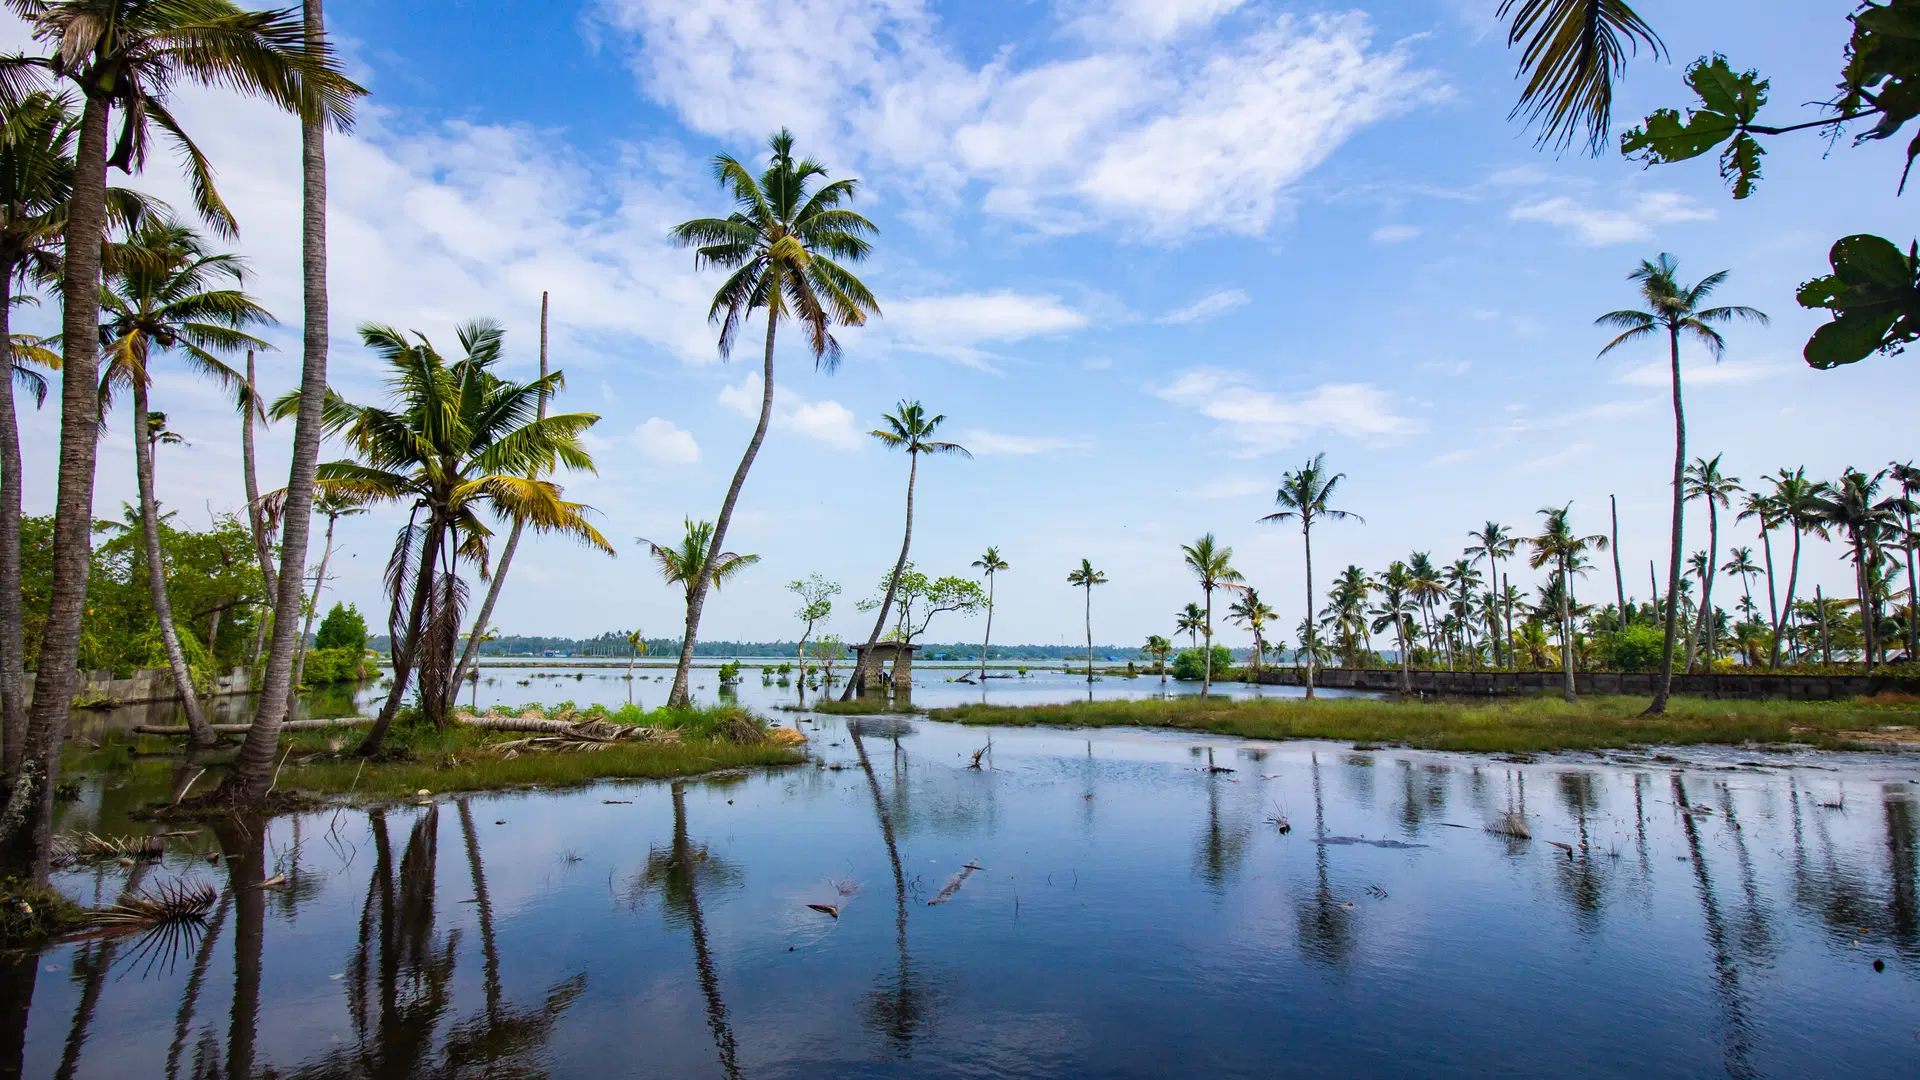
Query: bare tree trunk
pixel 25 824
pixel 1867 613
pixel 1785 613
pixel 202 735
pixel 1619 581
pixel 256 515
pixel 1773 598
pixel 1506 601
pixel 867 660
pixel 13 676
pixel 306 628
pixel 1664 688
pixel 251 774
pixel 1306 537
pixel 1206 678
pixel 1705 628
pixel 697 599
pixel 1089 631
pixel 1826 640
pixel 471 655
pixel 988 639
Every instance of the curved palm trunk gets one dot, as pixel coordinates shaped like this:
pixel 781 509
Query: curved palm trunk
pixel 251 773
pixel 697 599
pixel 1786 610
pixel 313 608
pixel 471 655
pixel 1406 660
pixel 199 733
pixel 1664 688
pixel 1619 580
pixel 406 652
pixel 1306 538
pixel 867 660
pixel 13 677
pixel 1089 631
pixel 256 517
pixel 1773 599
pixel 988 639
pixel 25 824
pixel 1705 629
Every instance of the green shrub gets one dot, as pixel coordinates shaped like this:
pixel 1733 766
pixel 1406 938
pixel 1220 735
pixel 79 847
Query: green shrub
pixel 327 666
pixel 1191 664
pixel 343 628
pixel 1637 648
pixel 729 673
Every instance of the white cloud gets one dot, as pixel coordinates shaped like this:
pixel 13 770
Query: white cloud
pixel 1149 19
pixel 1658 373
pixel 663 443
pixel 1596 227
pixel 1261 421
pixel 983 443
pixel 1207 307
pixel 827 421
pixel 1142 131
pixel 1231 487
pixel 955 326
pixel 1395 234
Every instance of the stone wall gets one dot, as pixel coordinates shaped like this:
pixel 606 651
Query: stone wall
pixel 1759 685
pixel 144 685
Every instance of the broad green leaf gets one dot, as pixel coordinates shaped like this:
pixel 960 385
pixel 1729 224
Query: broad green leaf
pixel 1740 164
pixel 1739 95
pixel 1821 292
pixel 1871 260
pixel 1902 20
pixel 1666 138
pixel 1729 101
pixel 1848 339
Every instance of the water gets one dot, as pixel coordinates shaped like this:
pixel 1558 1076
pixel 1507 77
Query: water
pixel 1132 914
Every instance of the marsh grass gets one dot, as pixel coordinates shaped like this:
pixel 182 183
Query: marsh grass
pixel 1507 725
pixel 862 707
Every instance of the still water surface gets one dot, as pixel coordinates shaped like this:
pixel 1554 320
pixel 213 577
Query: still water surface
pixel 1130 913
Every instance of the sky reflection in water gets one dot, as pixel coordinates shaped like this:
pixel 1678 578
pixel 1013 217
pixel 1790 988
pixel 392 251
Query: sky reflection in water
pixel 1132 914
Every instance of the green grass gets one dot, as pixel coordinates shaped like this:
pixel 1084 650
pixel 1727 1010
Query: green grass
pixel 1512 725
pixel 30 914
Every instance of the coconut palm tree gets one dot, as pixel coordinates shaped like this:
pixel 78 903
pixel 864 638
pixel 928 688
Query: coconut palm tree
pixel 1396 609
pixel 1704 481
pixel 332 505
pixel 1304 496
pixel 1086 577
pixel 1424 581
pixel 988 564
pixel 1574 51
pixel 1676 310
pixel 166 298
pixel 1762 508
pixel 1462 581
pixel 1190 620
pixel 908 428
pixel 1159 648
pixel 460 440
pixel 1908 477
pixel 1796 500
pixel 124 56
pixel 780 245
pixel 1213 565
pixel 1852 505
pixel 1254 614
pixel 1558 547
pixel 1493 542
pixel 682 561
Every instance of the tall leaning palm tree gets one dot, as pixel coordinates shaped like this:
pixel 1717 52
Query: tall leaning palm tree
pixel 1086 577
pixel 988 564
pixel 1493 542
pixel 1213 565
pixel 908 428
pixel 1678 311
pixel 781 244
pixel 1705 482
pixel 167 298
pixel 124 56
pixel 1560 548
pixel 1305 496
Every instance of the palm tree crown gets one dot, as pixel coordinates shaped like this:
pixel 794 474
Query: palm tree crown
pixel 1675 308
pixel 909 428
pixel 680 562
pixel 164 297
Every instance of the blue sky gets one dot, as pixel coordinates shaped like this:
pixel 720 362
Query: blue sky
pixel 1145 256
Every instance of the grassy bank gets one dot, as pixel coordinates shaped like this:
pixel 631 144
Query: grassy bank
pixel 1522 725
pixel 322 763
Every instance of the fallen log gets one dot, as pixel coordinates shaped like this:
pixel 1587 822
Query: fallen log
pixel 242 729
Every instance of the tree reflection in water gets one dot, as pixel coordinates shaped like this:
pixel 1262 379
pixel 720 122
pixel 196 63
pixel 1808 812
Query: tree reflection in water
pixel 1736 1027
pixel 1326 921
pixel 1840 893
pixel 1579 876
pixel 678 873
pixel 900 1007
pixel 1221 847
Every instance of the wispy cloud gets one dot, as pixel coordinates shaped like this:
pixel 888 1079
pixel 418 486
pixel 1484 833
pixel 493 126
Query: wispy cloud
pixel 1598 227
pixel 1658 373
pixel 1261 421
pixel 983 443
pixel 826 421
pixel 1210 306
pixel 662 442
pixel 957 326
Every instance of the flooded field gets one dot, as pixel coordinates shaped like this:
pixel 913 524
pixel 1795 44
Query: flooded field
pixel 1120 904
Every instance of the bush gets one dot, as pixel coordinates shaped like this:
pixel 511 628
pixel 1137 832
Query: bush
pixel 1637 648
pixel 326 666
pixel 343 628
pixel 729 673
pixel 1191 664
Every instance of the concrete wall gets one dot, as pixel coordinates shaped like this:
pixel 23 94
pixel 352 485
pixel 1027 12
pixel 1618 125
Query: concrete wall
pixel 144 685
pixel 1794 687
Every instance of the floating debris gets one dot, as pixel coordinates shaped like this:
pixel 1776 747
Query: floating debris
pixel 1510 824
pixel 1361 841
pixel 953 884
pixel 1376 892
pixel 830 909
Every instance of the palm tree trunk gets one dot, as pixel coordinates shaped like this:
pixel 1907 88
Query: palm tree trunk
pixel 1913 594
pixel 696 600
pixel 1206 677
pixel 199 734
pixel 1664 688
pixel 1867 619
pixel 25 824
pixel 471 655
pixel 1566 626
pixel 1706 629
pixel 1786 610
pixel 1619 581
pixel 867 659
pixel 1773 599
pixel 13 676
pixel 306 629
pixel 988 639
pixel 1306 541
pixel 256 517
pixel 405 653
pixel 1089 631
pixel 251 773
pixel 1506 600
pixel 1826 639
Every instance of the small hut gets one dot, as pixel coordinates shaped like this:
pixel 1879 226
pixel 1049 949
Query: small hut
pixel 899 654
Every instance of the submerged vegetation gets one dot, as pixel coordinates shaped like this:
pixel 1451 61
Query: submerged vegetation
pixel 1526 725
